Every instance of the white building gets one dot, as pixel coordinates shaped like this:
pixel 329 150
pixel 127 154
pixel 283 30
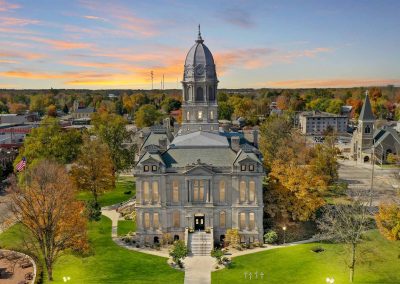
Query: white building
pixel 317 122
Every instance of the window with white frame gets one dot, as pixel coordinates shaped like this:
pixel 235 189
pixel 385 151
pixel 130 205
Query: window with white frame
pixel 242 221
pixel 252 191
pixel 155 191
pixel 252 222
pixel 146 220
pixel 242 191
pixel 222 191
pixel 198 190
pixel 146 191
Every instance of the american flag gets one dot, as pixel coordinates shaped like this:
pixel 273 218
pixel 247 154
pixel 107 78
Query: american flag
pixel 21 165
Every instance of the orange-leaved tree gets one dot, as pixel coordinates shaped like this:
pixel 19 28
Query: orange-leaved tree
pixel 44 203
pixel 388 221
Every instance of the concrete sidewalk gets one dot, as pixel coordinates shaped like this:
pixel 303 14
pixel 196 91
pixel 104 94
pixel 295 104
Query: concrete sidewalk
pixel 198 269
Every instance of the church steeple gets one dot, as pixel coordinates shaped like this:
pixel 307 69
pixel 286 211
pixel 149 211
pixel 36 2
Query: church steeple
pixel 366 110
pixel 199 106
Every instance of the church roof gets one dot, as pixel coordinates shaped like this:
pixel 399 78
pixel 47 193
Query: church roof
pixel 381 134
pixel 199 139
pixel 366 111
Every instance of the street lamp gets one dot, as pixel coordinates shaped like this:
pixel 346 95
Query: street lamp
pixel 284 234
pixel 330 280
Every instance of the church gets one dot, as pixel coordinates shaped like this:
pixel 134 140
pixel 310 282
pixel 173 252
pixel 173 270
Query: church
pixel 198 181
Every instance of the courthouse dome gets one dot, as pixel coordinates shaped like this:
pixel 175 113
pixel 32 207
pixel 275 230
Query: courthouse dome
pixel 199 61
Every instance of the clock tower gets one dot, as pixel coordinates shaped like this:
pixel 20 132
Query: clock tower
pixel 199 107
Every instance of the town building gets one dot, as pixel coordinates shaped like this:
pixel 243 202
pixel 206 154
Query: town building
pixel 368 142
pixel 200 180
pixel 83 113
pixel 318 122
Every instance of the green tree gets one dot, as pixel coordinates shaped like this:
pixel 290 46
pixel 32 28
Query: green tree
pixel 334 106
pixel 178 252
pixel 225 110
pixel 273 132
pixel 147 115
pixel 49 141
pixel 93 169
pixel 111 129
pixel 37 104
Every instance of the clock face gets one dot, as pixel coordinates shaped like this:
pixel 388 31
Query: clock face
pixel 199 69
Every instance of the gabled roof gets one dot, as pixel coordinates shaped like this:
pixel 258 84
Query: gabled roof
pixel 366 111
pixel 381 135
pixel 243 156
pixel 147 157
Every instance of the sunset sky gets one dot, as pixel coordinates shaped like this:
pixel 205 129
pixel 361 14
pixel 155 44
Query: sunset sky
pixel 98 44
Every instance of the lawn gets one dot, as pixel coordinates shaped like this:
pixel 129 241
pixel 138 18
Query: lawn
pixel 119 194
pixel 109 262
pixel 299 264
pixel 125 226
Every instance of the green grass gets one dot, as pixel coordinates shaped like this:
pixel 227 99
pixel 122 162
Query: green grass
pixel 298 264
pixel 125 226
pixel 123 184
pixel 109 262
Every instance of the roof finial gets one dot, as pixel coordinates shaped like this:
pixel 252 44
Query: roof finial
pixel 199 39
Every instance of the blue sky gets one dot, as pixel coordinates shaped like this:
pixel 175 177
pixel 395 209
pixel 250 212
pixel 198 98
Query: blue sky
pixel 99 44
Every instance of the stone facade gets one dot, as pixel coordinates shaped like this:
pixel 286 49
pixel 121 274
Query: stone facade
pixel 200 178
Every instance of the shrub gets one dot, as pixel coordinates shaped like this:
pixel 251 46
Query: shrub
pixel 232 237
pixel 270 237
pixel 128 192
pixel 218 254
pixel 93 210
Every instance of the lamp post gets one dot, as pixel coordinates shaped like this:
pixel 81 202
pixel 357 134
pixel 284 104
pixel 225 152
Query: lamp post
pixel 284 234
pixel 330 280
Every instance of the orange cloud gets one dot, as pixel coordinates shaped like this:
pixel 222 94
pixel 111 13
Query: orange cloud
pixel 6 86
pixel 8 61
pixel 23 55
pixel 29 75
pixel 5 6
pixel 330 83
pixel 19 22
pixel 61 44
pixel 251 58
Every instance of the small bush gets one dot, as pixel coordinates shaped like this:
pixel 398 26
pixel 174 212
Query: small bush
pixel 270 237
pixel 93 211
pixel 128 192
pixel 317 249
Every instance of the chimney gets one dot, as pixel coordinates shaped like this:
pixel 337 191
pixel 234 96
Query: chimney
pixel 163 144
pixel 235 143
pixel 255 138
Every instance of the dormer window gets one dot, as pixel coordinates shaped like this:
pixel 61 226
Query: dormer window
pixel 146 168
pixel 367 129
pixel 154 168
pixel 243 168
pixel 251 168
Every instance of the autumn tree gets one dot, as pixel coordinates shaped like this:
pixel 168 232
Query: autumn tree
pixel 274 131
pixel 346 223
pixel 111 129
pixel 52 110
pixel 49 141
pixel 93 169
pixel 45 205
pixel 147 115
pixel 388 221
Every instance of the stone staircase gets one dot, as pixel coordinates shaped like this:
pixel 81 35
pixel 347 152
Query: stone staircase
pixel 200 243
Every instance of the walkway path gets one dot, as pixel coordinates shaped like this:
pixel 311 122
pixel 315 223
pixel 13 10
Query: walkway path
pixel 198 269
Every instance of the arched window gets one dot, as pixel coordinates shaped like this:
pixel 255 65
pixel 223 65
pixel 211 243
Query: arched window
pixel 187 93
pixel 156 220
pixel 222 219
pixel 155 191
pixel 211 115
pixel 146 191
pixel 367 129
pixel 187 116
pixel 222 191
pixel 242 191
pixel 146 220
pixel 175 191
pixel 252 191
pixel 251 221
pixel 199 94
pixel 211 94
pixel 242 220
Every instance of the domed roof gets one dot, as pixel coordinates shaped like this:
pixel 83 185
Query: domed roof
pixel 199 61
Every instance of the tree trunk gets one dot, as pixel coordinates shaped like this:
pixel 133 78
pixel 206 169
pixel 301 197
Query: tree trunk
pixel 353 261
pixel 49 267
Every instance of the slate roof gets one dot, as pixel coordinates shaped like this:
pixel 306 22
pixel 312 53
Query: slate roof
pixel 217 157
pixel 381 134
pixel 199 139
pixel 85 110
pixel 366 111
pixel 153 139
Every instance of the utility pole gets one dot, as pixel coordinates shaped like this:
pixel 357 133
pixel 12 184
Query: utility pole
pixel 372 173
pixel 163 82
pixel 152 78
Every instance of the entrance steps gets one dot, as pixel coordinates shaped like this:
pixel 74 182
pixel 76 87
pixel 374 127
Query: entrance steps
pixel 200 243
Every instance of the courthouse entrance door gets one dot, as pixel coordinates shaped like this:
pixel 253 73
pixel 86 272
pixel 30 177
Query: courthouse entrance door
pixel 199 223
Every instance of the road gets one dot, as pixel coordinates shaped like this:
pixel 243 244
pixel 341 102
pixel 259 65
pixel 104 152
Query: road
pixel 358 176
